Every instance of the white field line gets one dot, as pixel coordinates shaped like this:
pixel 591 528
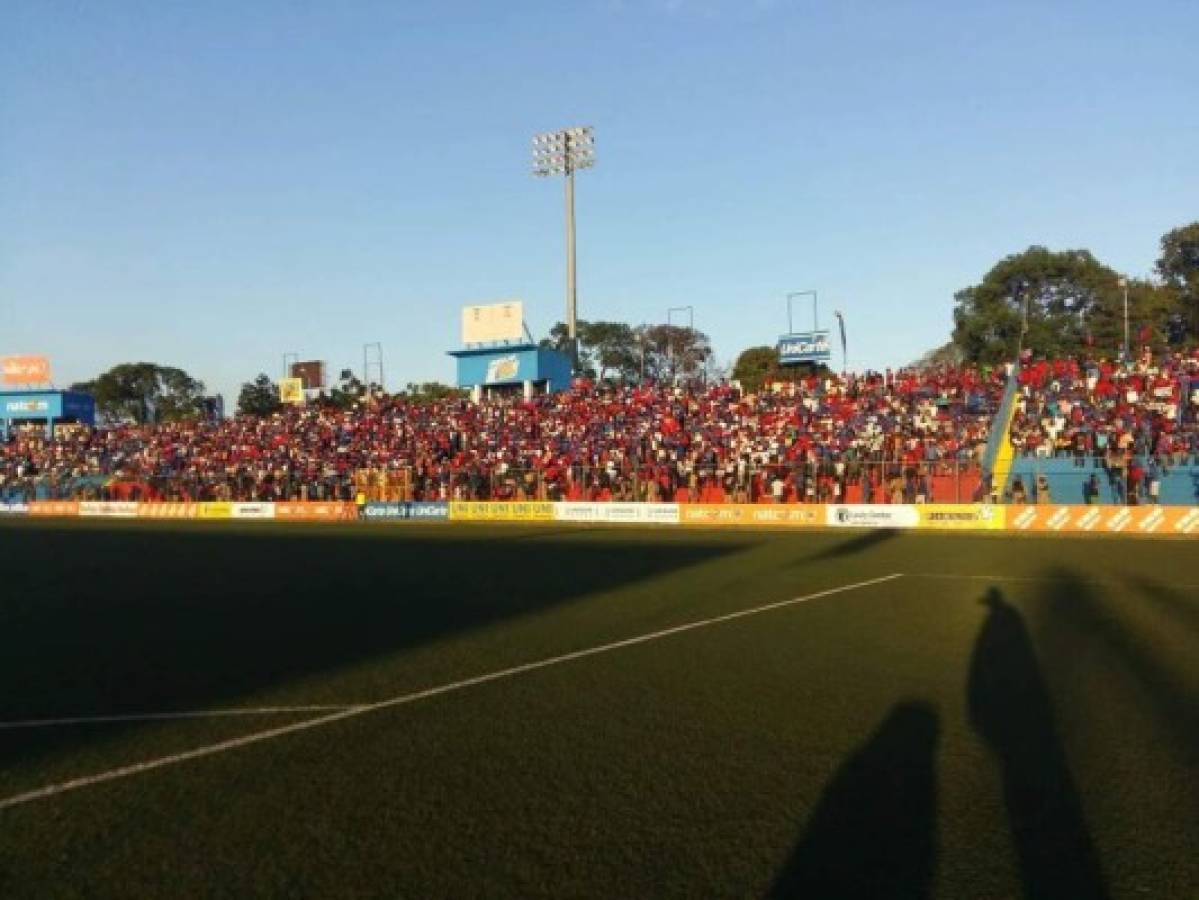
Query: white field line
pixel 168 716
pixel 260 736
pixel 1037 579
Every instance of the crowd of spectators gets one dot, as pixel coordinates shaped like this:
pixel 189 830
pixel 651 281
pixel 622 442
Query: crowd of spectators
pixel 1132 421
pixel 876 436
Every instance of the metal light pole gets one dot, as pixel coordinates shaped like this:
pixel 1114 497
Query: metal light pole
pixel 815 318
pixel 367 362
pixel 1124 285
pixel 562 153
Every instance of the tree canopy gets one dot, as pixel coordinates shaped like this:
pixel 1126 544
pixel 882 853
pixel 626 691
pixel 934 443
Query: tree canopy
pixel 756 366
pixel 615 350
pixel 259 397
pixel 145 393
pixel 1178 268
pixel 1072 301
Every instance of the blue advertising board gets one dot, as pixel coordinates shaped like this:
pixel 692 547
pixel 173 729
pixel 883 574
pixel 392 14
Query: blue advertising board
pixel 804 347
pixel 500 366
pixel 418 510
pixel 45 406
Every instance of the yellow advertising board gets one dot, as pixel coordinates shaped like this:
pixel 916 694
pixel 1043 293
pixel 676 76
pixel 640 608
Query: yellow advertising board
pixel 515 511
pixel 961 516
pixel 217 510
pixel 752 515
pixel 291 390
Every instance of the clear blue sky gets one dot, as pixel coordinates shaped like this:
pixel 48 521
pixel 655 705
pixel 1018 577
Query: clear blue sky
pixel 213 184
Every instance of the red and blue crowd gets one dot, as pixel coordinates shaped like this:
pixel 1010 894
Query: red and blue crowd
pixel 882 437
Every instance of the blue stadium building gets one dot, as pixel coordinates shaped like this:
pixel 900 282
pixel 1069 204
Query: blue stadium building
pixel 48 406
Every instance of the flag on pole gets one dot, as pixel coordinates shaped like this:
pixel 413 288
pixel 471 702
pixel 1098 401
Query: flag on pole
pixel 841 323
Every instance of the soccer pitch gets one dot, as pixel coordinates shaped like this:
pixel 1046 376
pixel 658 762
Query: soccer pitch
pixel 213 709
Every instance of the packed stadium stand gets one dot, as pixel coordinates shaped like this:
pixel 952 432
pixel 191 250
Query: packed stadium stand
pixel 1094 431
pixel 1071 431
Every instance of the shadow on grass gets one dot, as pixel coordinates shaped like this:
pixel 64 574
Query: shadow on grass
pixel 859 543
pixel 873 833
pixel 101 621
pixel 1178 605
pixel 1010 708
pixel 1077 613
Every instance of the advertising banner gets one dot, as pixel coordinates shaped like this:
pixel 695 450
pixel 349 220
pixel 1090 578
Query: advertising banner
pixel 25 369
pixel 291 390
pixel 429 511
pixel 961 517
pixel 168 510
pixel 37 406
pixel 310 372
pixel 252 510
pixel 752 515
pixel 493 323
pixel 481 511
pixel 330 511
pixel 1146 520
pixel 54 508
pixel 618 513
pixel 804 347
pixel 503 369
pixel 111 510
pixel 14 509
pixel 872 516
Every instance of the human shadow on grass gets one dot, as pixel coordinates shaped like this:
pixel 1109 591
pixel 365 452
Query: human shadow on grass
pixel 859 543
pixel 131 619
pixel 1010 708
pixel 873 833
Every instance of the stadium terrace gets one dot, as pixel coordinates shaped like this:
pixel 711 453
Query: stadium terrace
pixel 1103 430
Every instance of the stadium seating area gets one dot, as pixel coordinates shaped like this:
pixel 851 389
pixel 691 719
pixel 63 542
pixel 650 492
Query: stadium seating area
pixel 1081 431
pixel 902 435
pixel 1097 431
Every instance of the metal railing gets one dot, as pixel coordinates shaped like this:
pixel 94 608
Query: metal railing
pixel 944 481
pixel 829 481
pixel 1131 479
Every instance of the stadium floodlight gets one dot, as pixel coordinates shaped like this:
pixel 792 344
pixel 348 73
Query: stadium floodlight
pixel 563 153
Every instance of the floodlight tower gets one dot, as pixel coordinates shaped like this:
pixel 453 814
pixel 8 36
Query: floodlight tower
pixel 562 153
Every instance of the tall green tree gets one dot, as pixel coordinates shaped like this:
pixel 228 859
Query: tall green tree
pixel 1178 268
pixel 348 390
pixel 613 348
pixel 606 349
pixel 673 351
pixel 259 397
pixel 145 393
pixel 755 366
pixel 1073 302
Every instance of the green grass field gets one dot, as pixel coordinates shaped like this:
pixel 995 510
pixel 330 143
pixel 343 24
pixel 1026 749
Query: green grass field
pixel 1010 717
